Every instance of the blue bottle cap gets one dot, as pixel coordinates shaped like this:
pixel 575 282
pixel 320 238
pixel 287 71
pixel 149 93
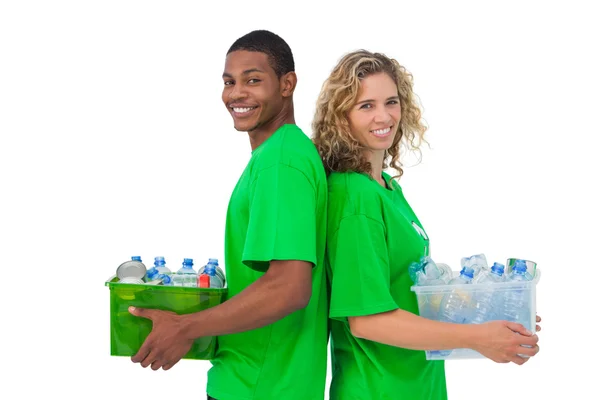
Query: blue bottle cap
pixel 468 272
pixel 158 261
pixel 210 269
pixel 136 258
pixel 498 268
pixel 520 266
pixel 188 262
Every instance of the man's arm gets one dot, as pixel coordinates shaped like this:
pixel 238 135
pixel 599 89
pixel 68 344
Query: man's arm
pixel 285 287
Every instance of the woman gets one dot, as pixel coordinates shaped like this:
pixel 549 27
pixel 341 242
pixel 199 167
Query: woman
pixel 366 112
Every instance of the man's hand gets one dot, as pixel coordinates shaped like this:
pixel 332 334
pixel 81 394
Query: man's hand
pixel 166 344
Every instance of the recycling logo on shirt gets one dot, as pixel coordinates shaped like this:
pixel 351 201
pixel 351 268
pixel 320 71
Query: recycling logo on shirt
pixel 420 230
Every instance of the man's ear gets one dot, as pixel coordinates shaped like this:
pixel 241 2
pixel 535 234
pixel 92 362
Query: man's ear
pixel 288 84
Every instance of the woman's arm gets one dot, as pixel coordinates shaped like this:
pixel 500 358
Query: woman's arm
pixel 501 341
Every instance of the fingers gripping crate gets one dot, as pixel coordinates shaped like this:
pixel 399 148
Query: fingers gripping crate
pixel 431 298
pixel 128 332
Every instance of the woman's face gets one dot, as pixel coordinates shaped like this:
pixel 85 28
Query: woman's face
pixel 375 116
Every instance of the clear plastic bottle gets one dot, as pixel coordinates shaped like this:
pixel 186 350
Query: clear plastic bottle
pixel 487 303
pixel 426 272
pixel 478 262
pixel 159 271
pixel 517 303
pixel 455 303
pixel 215 273
pixel 454 306
pixel 185 276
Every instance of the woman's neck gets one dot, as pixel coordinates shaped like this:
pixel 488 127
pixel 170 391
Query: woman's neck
pixel 376 160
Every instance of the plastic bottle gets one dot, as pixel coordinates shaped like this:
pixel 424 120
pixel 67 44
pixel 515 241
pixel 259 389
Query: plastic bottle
pixel 517 305
pixel 426 272
pixel 215 273
pixel 478 262
pixel 159 271
pixel 454 303
pixel 487 303
pixel 185 276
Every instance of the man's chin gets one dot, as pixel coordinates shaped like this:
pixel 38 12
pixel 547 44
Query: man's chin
pixel 245 127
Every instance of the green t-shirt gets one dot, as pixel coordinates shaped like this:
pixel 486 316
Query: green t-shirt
pixel 372 237
pixel 277 211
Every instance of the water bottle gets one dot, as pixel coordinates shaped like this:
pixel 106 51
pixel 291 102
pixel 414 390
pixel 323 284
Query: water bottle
pixel 454 306
pixel 185 276
pixel 517 304
pixel 159 271
pixel 455 303
pixel 478 262
pixel 487 303
pixel 493 275
pixel 214 272
pixel 427 273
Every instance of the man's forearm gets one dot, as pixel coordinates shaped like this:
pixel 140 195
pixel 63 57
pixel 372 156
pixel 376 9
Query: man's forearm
pixel 260 304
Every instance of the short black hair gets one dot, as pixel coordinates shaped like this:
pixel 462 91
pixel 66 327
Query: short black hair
pixel 277 50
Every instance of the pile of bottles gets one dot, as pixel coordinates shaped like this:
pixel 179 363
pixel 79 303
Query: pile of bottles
pixel 208 276
pixel 482 300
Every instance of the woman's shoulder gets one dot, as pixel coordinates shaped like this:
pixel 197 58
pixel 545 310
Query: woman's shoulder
pixel 352 191
pixel 349 183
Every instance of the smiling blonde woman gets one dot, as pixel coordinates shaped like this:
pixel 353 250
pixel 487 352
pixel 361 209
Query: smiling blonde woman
pixel 366 114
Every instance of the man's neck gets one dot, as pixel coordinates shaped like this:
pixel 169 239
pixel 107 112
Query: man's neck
pixel 261 134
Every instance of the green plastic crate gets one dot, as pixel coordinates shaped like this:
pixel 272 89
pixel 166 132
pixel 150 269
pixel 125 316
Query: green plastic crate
pixel 128 332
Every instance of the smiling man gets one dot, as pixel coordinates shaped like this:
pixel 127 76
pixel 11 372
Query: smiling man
pixel 273 327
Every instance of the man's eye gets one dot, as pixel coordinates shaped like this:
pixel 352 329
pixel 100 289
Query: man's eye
pixel 254 81
pixel 228 83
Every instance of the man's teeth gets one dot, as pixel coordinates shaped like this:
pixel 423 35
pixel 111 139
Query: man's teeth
pixel 242 110
pixel 381 131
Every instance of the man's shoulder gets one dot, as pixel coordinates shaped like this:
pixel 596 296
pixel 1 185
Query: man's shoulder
pixel 290 140
pixel 292 148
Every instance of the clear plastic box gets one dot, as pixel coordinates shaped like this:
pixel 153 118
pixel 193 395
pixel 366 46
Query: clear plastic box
pixel 430 297
pixel 128 332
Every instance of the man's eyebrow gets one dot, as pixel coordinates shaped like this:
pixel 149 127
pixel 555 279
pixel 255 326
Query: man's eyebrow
pixel 246 72
pixel 251 70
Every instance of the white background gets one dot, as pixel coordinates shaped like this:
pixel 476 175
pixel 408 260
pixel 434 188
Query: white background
pixel 114 142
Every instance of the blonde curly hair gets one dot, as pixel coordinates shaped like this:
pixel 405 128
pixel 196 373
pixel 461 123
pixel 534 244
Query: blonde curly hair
pixel 339 150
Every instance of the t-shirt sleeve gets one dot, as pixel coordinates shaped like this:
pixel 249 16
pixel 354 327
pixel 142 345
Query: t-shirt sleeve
pixel 358 258
pixel 282 223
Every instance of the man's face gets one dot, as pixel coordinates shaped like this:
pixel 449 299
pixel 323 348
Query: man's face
pixel 251 90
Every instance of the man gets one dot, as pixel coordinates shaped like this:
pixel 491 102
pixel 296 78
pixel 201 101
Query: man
pixel 273 327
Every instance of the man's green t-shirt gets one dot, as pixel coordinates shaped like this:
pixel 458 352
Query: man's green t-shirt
pixel 277 211
pixel 372 237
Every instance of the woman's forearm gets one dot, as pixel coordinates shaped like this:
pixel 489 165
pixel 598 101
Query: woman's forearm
pixel 401 328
